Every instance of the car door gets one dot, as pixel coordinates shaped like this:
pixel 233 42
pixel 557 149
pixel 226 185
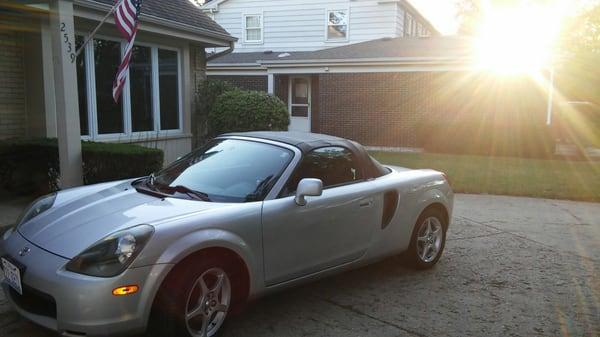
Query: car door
pixel 330 230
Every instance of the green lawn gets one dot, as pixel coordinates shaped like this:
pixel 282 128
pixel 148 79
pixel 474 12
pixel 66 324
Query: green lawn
pixel 558 179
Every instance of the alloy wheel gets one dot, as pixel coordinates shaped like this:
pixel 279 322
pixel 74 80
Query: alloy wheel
pixel 429 239
pixel 208 303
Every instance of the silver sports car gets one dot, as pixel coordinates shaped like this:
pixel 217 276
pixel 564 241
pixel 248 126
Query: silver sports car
pixel 249 213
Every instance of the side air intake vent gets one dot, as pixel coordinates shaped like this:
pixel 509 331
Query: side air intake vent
pixel 390 204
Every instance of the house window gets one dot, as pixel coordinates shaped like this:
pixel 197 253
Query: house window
pixel 253 28
pixel 337 24
pixel 408 25
pixel 150 103
pixel 140 84
pixel 107 57
pixel 169 87
pixel 82 89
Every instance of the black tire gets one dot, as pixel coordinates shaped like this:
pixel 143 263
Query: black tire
pixel 412 256
pixel 167 317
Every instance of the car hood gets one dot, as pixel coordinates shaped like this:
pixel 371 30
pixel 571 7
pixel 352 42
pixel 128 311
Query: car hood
pixel 72 226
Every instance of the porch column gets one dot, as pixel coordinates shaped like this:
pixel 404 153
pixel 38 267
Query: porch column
pixel 271 84
pixel 65 88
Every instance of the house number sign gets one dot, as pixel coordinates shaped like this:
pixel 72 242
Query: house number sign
pixel 67 42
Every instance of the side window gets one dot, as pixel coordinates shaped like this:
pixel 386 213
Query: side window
pixel 334 165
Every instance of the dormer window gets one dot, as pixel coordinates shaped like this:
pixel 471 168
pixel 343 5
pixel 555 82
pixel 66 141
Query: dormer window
pixel 253 28
pixel 337 25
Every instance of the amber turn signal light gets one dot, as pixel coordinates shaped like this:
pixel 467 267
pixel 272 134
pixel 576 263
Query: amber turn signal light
pixel 125 290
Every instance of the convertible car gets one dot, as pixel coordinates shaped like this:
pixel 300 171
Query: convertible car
pixel 249 213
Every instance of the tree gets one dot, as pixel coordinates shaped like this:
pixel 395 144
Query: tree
pixel 470 16
pixel 580 55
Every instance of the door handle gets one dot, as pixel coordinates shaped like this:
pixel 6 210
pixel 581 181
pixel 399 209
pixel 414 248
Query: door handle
pixel 366 203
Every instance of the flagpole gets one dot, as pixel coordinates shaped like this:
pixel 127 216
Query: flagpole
pixel 91 36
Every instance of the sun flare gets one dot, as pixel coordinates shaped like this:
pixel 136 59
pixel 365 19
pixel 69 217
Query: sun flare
pixel 518 40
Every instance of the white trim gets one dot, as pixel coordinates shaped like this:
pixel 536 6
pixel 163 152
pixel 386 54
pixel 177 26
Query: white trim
pixel 334 40
pixel 367 69
pixel 245 28
pixel 271 84
pixel 379 60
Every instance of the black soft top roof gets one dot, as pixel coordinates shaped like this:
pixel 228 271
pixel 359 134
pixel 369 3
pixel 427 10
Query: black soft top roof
pixel 307 142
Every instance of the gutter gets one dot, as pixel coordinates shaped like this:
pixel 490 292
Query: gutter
pixel 222 53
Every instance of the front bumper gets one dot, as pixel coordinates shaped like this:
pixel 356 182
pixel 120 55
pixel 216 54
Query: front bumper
pixel 79 305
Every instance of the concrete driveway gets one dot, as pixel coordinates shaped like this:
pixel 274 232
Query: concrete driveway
pixel 512 267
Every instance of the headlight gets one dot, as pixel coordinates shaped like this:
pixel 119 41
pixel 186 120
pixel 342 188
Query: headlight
pixel 37 207
pixel 7 233
pixel 112 255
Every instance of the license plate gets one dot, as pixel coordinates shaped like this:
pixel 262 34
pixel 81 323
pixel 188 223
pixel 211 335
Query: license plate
pixel 12 275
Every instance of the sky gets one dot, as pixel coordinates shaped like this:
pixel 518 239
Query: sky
pixel 442 13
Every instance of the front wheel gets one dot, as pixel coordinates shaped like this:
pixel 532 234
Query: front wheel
pixel 194 301
pixel 428 239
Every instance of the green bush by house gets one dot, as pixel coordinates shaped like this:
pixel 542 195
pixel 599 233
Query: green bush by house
pixel 32 166
pixel 242 110
pixel 208 92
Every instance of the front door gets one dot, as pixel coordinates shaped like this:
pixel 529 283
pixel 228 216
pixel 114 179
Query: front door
pixel 330 230
pixel 299 103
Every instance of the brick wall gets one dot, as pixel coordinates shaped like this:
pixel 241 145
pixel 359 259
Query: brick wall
pixel 387 109
pixel 378 109
pixel 13 116
pixel 258 83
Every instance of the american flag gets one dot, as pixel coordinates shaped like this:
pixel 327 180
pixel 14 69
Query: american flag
pixel 126 20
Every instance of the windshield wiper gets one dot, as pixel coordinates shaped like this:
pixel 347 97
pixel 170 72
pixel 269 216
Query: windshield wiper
pixel 186 190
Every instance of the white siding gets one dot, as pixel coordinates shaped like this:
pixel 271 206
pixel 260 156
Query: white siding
pixel 294 25
pixel 399 20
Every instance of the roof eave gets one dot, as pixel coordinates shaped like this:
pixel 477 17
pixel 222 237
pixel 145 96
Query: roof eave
pixel 261 64
pixel 225 38
pixel 380 60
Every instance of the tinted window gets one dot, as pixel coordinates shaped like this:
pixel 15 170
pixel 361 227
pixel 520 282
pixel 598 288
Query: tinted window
pixel 228 170
pixel 333 165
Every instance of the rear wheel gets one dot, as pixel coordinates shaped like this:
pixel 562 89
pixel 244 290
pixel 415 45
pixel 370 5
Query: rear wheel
pixel 428 239
pixel 195 299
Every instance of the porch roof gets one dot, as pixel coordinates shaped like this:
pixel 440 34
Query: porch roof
pixel 180 12
pixel 400 49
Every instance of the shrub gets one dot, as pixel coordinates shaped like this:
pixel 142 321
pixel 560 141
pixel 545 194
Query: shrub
pixel 241 110
pixel 208 92
pixel 32 166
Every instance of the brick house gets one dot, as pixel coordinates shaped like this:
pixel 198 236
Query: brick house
pixel 43 93
pixel 371 71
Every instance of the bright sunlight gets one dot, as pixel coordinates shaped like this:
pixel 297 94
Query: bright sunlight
pixel 518 40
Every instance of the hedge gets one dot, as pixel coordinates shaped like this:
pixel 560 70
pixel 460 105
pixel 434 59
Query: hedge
pixel 242 110
pixel 31 166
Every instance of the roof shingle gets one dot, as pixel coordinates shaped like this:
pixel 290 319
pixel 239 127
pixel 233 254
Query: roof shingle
pixel 387 48
pixel 180 11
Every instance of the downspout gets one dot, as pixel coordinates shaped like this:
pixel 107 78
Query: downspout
pixel 222 53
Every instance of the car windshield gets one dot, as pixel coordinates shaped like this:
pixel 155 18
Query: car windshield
pixel 225 170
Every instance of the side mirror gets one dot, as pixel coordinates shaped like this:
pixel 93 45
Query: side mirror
pixel 308 187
